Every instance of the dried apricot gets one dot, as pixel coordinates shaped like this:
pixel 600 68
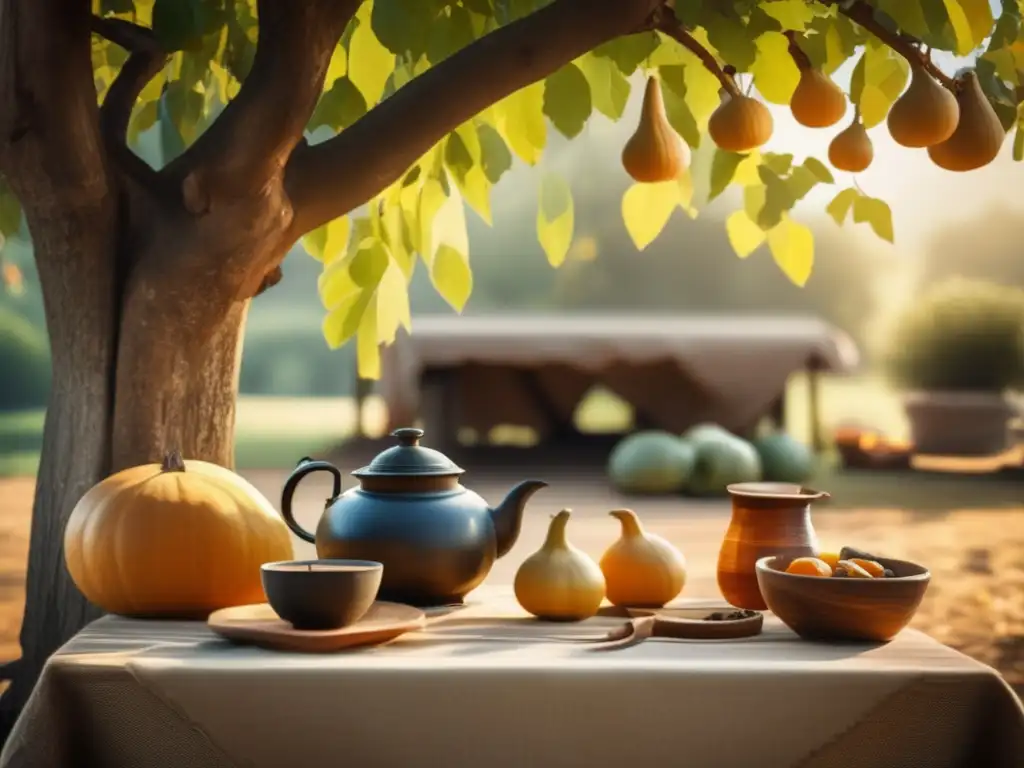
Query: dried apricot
pixel 875 568
pixel 809 566
pixel 853 570
pixel 829 558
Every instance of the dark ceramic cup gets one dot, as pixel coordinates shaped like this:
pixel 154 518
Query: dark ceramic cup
pixel 321 594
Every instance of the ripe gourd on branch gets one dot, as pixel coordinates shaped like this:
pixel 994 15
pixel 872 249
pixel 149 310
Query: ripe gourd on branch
pixel 655 152
pixel 740 123
pixel 926 113
pixel 817 102
pixel 978 136
pixel 851 149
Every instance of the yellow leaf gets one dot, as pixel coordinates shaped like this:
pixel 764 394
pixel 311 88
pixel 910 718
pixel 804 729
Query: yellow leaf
pixel 791 14
pixel 646 209
pixel 876 213
pixel 745 236
pixel 792 247
pixel 371 63
pixel 701 91
pixel 476 191
pixel 392 304
pixel 431 200
pixel 522 122
pixel 449 225
pixel 342 322
pixel 367 347
pixel 337 68
pixel 685 182
pixel 329 241
pixel 451 276
pixel 971 21
pixel 555 218
pixel 335 283
pixel 746 172
pixel 775 73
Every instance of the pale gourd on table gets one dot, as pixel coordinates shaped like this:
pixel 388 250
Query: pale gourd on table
pixel 641 569
pixel 559 582
pixel 181 538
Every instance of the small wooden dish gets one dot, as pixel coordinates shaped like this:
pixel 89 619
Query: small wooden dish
pixel 259 625
pixel 830 608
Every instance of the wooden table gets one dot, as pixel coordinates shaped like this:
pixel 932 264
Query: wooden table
pixel 487 686
pixel 483 371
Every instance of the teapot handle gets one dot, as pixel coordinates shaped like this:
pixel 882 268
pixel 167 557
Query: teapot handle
pixel 306 466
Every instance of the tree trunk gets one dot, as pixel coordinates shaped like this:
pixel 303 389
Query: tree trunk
pixel 109 411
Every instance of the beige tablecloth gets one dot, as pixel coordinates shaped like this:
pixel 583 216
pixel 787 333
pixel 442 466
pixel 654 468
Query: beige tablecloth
pixel 479 690
pixel 533 370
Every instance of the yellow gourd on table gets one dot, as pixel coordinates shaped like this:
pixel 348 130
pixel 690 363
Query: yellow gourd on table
pixel 177 539
pixel 559 582
pixel 641 570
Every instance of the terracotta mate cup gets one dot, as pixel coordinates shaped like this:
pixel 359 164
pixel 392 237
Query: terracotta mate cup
pixel 767 519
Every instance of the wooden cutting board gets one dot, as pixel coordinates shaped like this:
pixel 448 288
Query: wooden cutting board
pixel 260 625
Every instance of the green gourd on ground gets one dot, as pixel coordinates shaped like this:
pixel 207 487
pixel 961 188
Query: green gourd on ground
pixel 650 462
pixel 721 461
pixel 784 459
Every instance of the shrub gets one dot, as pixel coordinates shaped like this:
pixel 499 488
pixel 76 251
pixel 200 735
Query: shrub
pixel 960 335
pixel 25 360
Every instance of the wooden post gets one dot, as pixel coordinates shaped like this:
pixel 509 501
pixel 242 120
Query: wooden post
pixel 814 404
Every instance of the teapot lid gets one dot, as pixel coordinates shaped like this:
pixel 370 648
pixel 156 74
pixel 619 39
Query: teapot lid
pixel 409 459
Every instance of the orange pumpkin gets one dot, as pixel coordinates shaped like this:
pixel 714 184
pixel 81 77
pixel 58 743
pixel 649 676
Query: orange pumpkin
pixel 179 539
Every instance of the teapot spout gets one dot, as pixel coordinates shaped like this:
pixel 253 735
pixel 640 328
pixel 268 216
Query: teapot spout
pixel 508 516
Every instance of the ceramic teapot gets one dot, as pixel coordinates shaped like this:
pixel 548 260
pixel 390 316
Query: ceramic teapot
pixel 436 539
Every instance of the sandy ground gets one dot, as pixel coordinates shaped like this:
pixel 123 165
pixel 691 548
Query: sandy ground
pixel 975 603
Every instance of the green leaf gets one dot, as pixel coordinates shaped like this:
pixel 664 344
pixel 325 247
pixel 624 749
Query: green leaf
pixel 521 122
pixel 178 24
pixel 778 199
pixel 791 14
pixel 728 36
pixel 555 218
pixel 10 212
pixel 723 169
pixel 745 236
pixel 841 205
pixel 369 63
pixel 609 89
pixel 494 153
pixel 403 27
pixel 646 209
pixel 876 213
pixel 449 33
pixel 775 73
pixel 792 247
pixel 451 276
pixel 627 52
pixel 1018 145
pixel 819 170
pixel 339 107
pixel 678 112
pixel 567 100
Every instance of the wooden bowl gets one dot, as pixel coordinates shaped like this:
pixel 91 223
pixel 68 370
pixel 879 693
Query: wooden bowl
pixel 321 594
pixel 824 608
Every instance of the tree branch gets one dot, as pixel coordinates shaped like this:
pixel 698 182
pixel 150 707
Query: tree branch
pixel 670 26
pixel 329 179
pixel 251 140
pixel 906 46
pixel 145 62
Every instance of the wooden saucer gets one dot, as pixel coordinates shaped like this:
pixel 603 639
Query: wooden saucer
pixel 259 625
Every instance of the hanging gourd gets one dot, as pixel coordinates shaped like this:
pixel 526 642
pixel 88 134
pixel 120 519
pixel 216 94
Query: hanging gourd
pixel 559 582
pixel 177 539
pixel 655 152
pixel 740 123
pixel 641 569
